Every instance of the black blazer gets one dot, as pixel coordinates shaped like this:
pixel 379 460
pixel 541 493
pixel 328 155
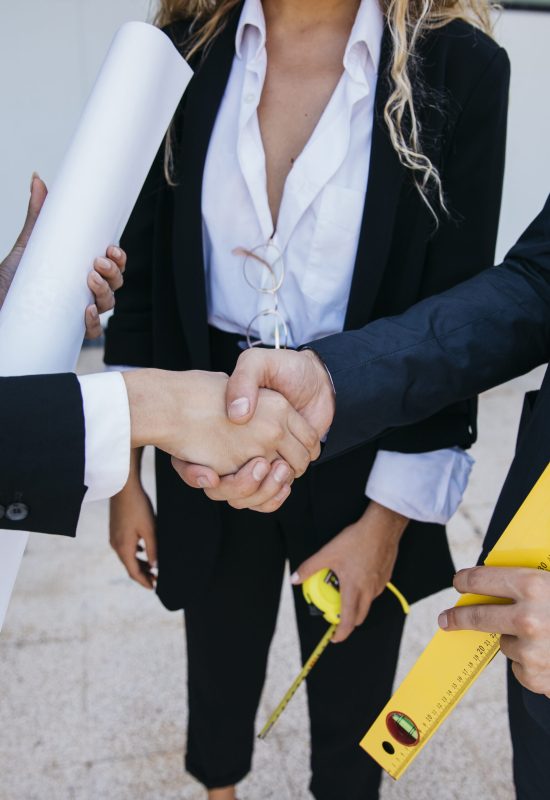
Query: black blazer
pixel 488 330
pixel 41 454
pixel 161 316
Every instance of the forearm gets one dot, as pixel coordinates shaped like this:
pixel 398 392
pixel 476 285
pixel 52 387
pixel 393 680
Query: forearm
pixel 487 330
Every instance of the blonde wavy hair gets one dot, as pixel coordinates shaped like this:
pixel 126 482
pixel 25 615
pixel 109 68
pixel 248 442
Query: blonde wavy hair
pixel 408 21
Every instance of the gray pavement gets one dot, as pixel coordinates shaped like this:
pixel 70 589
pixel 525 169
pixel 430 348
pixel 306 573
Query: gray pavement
pixel 92 681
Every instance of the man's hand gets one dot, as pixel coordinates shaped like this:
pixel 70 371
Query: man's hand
pixel 301 377
pixel 363 557
pixel 184 414
pixel 103 281
pixel 524 624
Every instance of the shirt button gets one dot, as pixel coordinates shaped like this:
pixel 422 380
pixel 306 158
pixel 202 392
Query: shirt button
pixel 17 512
pixel 249 98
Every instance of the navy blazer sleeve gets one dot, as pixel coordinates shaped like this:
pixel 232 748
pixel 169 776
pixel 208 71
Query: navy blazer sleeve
pixel 42 453
pixel 487 330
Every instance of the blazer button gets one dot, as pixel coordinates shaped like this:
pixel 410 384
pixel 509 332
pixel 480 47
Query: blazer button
pixel 17 512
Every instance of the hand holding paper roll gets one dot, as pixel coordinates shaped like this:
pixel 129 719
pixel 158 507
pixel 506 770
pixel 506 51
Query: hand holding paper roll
pixel 103 280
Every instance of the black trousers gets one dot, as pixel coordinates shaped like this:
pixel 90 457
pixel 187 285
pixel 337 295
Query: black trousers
pixel 229 633
pixel 531 745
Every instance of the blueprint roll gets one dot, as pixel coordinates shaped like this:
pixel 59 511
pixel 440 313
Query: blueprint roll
pixel 121 129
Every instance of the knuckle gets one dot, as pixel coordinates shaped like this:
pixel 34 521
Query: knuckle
pixel 534 583
pixel 529 623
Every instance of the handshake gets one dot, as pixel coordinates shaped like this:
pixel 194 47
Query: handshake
pixel 242 439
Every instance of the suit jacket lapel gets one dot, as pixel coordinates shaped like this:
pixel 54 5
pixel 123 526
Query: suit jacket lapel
pixel 385 180
pixel 203 99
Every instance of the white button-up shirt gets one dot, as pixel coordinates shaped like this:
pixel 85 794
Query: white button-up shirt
pixel 108 435
pixel 317 231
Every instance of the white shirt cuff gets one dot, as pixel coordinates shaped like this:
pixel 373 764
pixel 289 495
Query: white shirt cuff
pixel 427 487
pixel 107 422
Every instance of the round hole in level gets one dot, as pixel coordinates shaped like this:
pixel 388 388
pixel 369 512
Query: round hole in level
pixel 389 748
pixel 402 728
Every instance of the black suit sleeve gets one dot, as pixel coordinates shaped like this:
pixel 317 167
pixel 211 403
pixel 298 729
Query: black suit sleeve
pixel 487 330
pixel 42 453
pixel 464 244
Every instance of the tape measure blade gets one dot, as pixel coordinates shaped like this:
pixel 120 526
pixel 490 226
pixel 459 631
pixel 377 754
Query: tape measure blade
pixel 437 682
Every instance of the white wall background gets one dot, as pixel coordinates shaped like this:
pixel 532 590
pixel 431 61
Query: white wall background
pixel 50 51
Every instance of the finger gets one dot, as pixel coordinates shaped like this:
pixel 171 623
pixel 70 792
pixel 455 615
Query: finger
pixel 486 618
pixel 294 453
pixel 150 542
pixel 365 603
pixel 195 476
pixel 110 271
pixel 243 484
pixel 38 195
pixel 304 433
pixel 271 491
pixel 93 323
pixel 128 558
pixel 244 384
pixel 310 567
pixel 103 294
pixel 118 255
pixel 275 504
pixel 348 614
pixel 511 647
pixel 514 583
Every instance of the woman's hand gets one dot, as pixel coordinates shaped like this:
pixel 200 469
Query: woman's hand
pixel 103 282
pixel 133 530
pixel 363 556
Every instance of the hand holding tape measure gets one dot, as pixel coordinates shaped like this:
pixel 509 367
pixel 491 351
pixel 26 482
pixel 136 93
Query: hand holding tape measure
pixel 322 593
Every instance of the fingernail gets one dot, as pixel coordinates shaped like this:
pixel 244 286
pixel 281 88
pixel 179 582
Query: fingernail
pixel 97 280
pixel 203 482
pixel 116 251
pixel 94 312
pixel 104 262
pixel 239 408
pixel 281 473
pixel 34 175
pixel 295 579
pixel 283 494
pixel 260 471
pixel 442 620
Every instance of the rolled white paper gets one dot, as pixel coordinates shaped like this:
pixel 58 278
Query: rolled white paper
pixel 121 129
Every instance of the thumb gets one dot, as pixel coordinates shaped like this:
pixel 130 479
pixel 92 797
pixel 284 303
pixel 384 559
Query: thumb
pixel 250 374
pixel 196 476
pixel 36 201
pixel 308 568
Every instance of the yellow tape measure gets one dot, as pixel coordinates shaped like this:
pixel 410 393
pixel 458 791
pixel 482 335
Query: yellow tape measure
pixel 454 660
pixel 322 592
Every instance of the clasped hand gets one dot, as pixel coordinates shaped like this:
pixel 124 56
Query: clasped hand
pixel 301 378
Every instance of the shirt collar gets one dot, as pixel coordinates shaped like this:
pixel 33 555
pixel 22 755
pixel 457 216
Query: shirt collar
pixel 365 41
pixel 251 30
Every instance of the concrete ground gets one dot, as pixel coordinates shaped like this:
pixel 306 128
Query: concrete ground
pixel 92 708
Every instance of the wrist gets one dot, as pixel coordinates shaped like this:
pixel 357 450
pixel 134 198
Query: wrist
pixel 390 524
pixel 148 401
